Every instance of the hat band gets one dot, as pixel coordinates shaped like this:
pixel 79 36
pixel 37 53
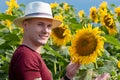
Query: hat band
pixel 32 14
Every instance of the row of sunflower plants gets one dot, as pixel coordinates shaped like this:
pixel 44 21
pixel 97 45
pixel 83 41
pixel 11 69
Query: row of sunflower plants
pixel 91 40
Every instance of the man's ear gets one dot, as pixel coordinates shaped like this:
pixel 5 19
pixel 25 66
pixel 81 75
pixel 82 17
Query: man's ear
pixel 25 24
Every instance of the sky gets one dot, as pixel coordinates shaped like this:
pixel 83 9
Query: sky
pixel 77 4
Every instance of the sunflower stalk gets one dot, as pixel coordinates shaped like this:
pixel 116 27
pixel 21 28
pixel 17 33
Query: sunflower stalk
pixel 55 68
pixel 95 65
pixel 59 71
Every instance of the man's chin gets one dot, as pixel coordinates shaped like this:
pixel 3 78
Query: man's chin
pixel 43 43
pixel 40 42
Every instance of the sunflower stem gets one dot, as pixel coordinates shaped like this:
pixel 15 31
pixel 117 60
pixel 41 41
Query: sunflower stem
pixel 54 67
pixel 95 65
pixel 59 71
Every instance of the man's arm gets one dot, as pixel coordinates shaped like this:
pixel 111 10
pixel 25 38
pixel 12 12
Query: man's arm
pixel 71 70
pixel 104 76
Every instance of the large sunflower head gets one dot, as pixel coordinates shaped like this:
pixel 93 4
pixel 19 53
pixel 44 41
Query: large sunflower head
pixel 61 35
pixel 108 21
pixel 93 14
pixel 86 45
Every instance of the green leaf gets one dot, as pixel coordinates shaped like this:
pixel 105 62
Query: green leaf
pixel 54 52
pixel 113 5
pixel 112 40
pixel 118 18
pixel 2 26
pixel 106 53
pixel 107 67
pixel 11 37
pixel 1 41
pixel 5 46
pixel 5 16
pixel 76 26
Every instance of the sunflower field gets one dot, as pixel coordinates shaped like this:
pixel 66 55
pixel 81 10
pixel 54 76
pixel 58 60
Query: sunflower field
pixel 92 40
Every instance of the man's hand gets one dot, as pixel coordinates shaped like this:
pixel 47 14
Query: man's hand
pixel 71 69
pixel 104 76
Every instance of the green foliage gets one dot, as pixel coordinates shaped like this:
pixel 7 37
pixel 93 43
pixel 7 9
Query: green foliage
pixel 57 57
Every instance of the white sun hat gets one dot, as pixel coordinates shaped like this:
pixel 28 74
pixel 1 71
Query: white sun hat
pixel 37 9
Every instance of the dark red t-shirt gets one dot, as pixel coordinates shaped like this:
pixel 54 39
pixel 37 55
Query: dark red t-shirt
pixel 26 64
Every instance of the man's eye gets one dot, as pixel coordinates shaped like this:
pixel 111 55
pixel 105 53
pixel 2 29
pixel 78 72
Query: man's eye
pixel 49 26
pixel 40 24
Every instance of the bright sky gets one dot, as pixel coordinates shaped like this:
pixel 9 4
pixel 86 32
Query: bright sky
pixel 77 4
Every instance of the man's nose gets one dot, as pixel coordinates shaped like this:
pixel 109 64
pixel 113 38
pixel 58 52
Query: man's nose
pixel 45 29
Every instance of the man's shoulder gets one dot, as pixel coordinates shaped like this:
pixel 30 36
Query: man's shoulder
pixel 23 51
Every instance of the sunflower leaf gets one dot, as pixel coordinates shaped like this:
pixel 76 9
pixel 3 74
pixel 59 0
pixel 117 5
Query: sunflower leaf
pixel 54 52
pixel 106 53
pixel 112 40
pixel 5 16
pixel 2 41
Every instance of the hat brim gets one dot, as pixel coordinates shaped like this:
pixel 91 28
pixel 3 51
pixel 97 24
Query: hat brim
pixel 18 21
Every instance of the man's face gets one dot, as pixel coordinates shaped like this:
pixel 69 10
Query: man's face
pixel 38 30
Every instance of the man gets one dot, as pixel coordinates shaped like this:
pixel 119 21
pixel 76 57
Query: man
pixel 27 63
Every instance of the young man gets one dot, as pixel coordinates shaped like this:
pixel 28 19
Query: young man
pixel 27 63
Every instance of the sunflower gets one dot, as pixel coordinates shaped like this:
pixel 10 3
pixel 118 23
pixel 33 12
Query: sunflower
pixel 81 13
pixel 8 24
pixel 117 10
pixel 86 45
pixel 102 8
pixel 118 64
pixel 54 5
pixel 11 5
pixel 108 21
pixel 66 6
pixel 93 14
pixel 61 35
pixel 103 5
pixel 59 17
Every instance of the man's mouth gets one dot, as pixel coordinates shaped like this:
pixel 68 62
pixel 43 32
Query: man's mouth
pixel 43 36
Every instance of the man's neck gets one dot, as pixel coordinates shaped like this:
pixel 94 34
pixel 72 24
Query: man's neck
pixel 35 48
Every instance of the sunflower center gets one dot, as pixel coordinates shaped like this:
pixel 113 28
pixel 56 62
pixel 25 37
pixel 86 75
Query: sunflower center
pixel 94 15
pixel 59 31
pixel 111 26
pixel 118 14
pixel 108 21
pixel 86 44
